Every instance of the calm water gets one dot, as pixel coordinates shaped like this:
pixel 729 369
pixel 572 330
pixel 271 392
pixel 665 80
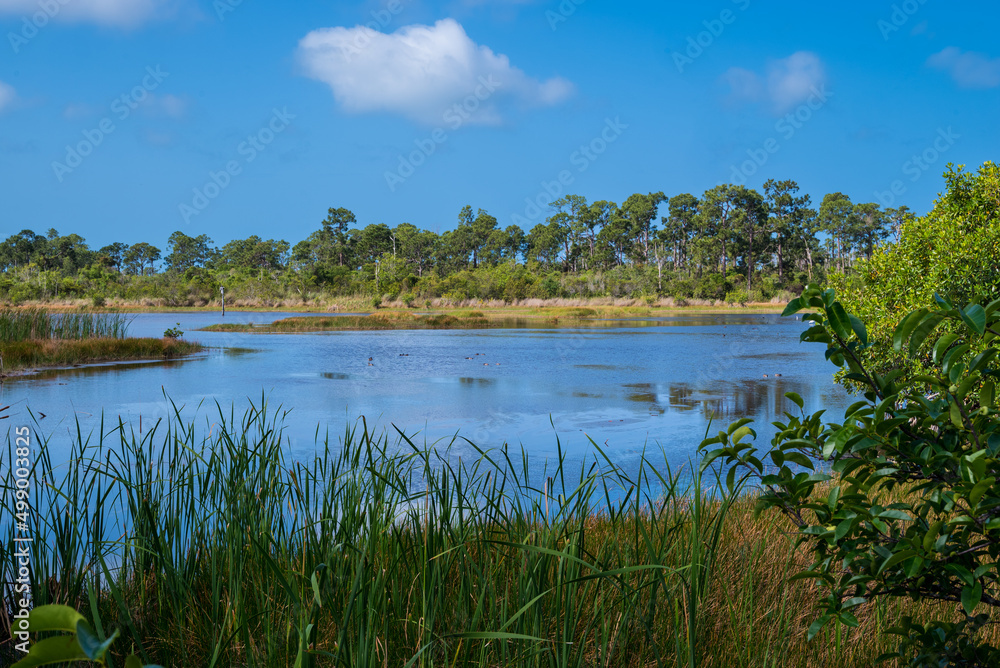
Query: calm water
pixel 627 385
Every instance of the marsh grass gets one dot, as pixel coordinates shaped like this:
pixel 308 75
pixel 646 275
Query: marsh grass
pixel 35 337
pixel 39 324
pixel 213 546
pixel 58 352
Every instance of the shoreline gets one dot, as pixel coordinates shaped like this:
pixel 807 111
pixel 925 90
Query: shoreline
pixel 26 358
pixel 357 305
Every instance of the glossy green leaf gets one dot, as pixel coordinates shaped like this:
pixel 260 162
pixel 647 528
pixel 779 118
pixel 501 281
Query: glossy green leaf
pixel 905 328
pixel 60 649
pixel 53 618
pixel 839 321
pixel 923 330
pixel 975 317
pixel 971 597
pixel 92 646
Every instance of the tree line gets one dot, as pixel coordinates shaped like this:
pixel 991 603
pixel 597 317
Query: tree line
pixel 731 236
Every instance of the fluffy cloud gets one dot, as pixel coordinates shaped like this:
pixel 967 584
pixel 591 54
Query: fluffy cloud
pixel 968 69
pixel 7 95
pixel 786 83
pixel 421 72
pixel 118 13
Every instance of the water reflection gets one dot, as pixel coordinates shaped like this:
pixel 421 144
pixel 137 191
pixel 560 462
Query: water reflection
pixel 481 382
pixel 623 384
pixel 722 400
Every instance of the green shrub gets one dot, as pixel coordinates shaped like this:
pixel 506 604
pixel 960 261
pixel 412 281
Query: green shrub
pixel 738 296
pixel 912 508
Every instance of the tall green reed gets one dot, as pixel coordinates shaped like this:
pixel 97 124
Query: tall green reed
pixel 212 545
pixel 27 324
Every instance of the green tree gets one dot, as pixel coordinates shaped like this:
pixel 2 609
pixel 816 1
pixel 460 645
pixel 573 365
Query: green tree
pixel 115 253
pixel 141 258
pixel 873 227
pixel 718 210
pixel 20 249
pixel 334 237
pixel 750 222
pixel 787 212
pixel 953 251
pixel 187 252
pixel 910 507
pixel 639 211
pixel 679 226
pixel 837 217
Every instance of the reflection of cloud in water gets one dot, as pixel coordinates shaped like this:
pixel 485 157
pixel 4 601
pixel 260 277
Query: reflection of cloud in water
pixel 722 400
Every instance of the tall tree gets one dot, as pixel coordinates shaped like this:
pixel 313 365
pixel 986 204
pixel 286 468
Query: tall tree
pixel 115 252
pixel 718 206
pixel 873 227
pixel 785 213
pixel 335 227
pixel 680 225
pixel 187 252
pixel 751 221
pixel 838 219
pixel 640 211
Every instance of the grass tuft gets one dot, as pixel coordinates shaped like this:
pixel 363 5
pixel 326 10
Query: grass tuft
pixel 215 546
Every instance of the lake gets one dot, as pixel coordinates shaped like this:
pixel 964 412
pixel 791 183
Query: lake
pixel 629 385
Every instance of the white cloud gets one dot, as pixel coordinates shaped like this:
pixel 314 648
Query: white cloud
pixel 968 69
pixel 117 13
pixel 786 83
pixel 7 95
pixel 420 72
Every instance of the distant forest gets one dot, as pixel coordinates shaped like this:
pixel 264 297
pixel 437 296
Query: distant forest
pixel 733 243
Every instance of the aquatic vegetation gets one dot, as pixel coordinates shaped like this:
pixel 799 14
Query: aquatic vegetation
pixel 39 324
pixel 213 545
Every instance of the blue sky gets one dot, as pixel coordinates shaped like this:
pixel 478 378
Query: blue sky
pixel 234 118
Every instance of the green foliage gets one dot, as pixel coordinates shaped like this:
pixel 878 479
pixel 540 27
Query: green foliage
pixel 173 332
pixel 38 324
pixel 374 551
pixel 910 506
pixel 954 251
pixel 573 249
pixel 77 640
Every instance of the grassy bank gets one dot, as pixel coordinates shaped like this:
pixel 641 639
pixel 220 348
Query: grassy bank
pixel 35 337
pixel 34 353
pixel 363 304
pixel 212 547
pixel 455 319
pixel 381 321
